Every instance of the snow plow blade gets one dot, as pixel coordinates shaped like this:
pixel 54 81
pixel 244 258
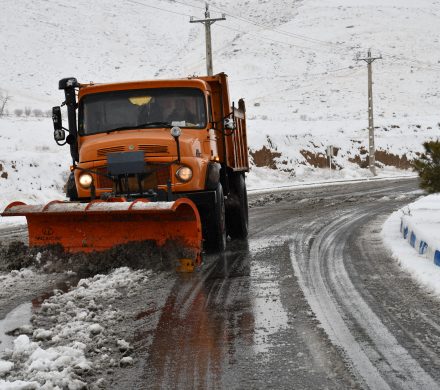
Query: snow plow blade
pixel 101 225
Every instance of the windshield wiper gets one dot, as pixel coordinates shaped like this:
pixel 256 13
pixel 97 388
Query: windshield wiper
pixel 141 126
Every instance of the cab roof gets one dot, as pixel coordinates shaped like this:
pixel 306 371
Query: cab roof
pixel 86 89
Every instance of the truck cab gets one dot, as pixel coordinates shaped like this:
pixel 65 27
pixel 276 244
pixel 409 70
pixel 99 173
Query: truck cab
pixel 160 140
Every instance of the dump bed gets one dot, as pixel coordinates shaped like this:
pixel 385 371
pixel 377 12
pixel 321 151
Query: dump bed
pixel 232 145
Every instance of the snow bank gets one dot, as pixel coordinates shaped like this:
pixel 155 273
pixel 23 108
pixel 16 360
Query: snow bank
pixel 73 335
pixel 19 385
pixel 420 226
pixel 5 367
pixel 413 235
pixel 8 280
pixel 33 169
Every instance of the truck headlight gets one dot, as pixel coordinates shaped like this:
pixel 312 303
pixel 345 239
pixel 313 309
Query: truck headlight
pixel 184 174
pixel 85 180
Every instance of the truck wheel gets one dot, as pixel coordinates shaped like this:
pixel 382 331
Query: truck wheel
pixel 216 229
pixel 238 216
pixel 71 191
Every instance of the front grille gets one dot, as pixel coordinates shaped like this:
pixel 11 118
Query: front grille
pixel 102 181
pixel 154 149
pixel 147 149
pixel 114 149
pixel 159 176
pixel 162 174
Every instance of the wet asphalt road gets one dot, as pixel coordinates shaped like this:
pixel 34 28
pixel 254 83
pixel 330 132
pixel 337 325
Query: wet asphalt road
pixel 312 300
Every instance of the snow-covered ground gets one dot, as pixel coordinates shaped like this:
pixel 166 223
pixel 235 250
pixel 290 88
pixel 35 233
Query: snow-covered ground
pixel 292 61
pixel 75 324
pixel 33 169
pixel 413 236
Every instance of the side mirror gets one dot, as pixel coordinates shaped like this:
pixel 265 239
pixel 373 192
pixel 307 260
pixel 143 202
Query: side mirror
pixel 229 124
pixel 59 135
pixel 56 118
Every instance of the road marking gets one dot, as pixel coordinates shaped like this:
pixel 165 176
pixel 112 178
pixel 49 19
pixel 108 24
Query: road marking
pixel 378 360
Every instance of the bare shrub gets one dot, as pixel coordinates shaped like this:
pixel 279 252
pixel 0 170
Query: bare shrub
pixel 37 112
pixel 18 112
pixel 4 98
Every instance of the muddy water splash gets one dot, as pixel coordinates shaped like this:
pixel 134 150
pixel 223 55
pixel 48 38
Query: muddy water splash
pixel 136 255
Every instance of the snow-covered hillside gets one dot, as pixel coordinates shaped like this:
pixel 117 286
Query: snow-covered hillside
pixel 296 60
pixel 292 61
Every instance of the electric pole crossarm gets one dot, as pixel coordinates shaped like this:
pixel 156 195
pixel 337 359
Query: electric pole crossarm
pixel 192 20
pixel 369 59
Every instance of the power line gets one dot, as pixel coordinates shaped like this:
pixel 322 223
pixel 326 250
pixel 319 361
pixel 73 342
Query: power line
pixel 276 77
pixel 158 8
pixel 422 64
pixel 313 40
pixel 290 45
pixel 269 39
pixel 266 27
pixel 277 91
pixel 186 4
pixel 228 28
pixel 263 27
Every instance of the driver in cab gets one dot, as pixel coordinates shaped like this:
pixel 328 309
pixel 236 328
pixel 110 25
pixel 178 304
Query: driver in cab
pixel 173 109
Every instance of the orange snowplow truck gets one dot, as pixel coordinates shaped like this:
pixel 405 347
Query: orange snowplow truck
pixel 152 160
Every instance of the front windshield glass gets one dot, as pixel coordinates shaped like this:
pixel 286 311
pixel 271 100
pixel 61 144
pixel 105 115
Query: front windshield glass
pixel 146 108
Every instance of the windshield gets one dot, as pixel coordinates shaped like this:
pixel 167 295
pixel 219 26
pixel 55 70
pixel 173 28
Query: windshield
pixel 131 109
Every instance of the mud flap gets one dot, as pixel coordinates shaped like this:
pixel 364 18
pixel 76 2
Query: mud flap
pixel 100 225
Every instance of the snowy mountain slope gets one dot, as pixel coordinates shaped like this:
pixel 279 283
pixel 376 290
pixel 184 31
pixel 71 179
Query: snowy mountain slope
pixel 44 41
pixel 293 61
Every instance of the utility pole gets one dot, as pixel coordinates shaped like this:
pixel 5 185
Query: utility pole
pixel 329 152
pixel 207 22
pixel 371 157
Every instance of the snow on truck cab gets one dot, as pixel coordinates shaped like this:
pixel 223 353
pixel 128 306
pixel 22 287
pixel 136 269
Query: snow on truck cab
pixel 160 141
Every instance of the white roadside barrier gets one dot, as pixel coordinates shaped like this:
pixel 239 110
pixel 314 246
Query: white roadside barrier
pixel 420 226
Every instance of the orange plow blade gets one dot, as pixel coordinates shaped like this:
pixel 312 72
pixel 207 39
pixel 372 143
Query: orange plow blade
pixel 100 225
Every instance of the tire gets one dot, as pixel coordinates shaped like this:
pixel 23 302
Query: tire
pixel 71 191
pixel 238 215
pixel 216 224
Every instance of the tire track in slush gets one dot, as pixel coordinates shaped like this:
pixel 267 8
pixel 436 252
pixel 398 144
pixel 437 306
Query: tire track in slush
pixel 12 233
pixel 378 360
